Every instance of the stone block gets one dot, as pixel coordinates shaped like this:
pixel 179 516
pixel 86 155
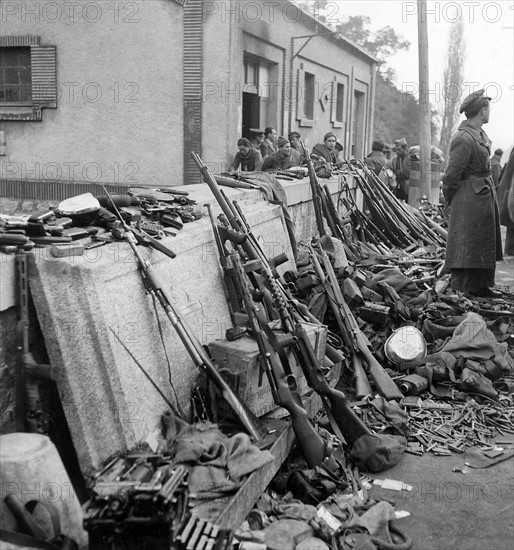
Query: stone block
pixel 109 403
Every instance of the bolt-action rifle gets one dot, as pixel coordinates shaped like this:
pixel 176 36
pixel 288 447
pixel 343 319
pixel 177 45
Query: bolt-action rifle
pixel 283 386
pixel 360 344
pixel 315 189
pixel 344 421
pixel 193 346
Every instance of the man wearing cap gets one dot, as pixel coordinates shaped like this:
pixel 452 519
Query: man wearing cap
pixel 400 167
pixel 496 167
pixel 474 243
pixel 295 139
pixel 327 149
pixel 257 140
pixel 281 160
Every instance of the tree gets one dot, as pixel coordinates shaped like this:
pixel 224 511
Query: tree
pixel 382 44
pixel 453 79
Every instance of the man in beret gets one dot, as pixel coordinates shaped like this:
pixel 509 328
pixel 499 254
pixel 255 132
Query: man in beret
pixel 474 243
pixel 280 160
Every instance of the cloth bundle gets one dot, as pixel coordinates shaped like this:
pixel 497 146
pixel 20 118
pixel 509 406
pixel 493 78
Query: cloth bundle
pixel 219 464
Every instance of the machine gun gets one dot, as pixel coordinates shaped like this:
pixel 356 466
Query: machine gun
pixel 186 335
pixel 140 500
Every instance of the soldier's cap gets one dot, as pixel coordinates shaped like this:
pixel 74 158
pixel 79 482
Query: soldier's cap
pixel 294 133
pixel 256 131
pixel 468 102
pixel 281 141
pixel 401 141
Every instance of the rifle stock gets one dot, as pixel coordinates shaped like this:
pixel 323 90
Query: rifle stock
pixel 349 424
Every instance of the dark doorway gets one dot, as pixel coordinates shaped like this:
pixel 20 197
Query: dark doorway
pixel 251 113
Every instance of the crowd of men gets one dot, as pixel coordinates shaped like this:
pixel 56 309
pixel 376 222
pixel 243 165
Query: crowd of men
pixel 264 151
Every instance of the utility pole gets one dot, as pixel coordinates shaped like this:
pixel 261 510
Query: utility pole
pixel 424 102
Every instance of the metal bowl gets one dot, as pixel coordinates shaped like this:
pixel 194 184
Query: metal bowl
pixel 405 345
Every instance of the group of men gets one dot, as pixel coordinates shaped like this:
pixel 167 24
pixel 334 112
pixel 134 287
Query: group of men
pixel 264 151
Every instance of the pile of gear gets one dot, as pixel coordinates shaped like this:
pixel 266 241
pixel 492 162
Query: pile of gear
pixel 85 221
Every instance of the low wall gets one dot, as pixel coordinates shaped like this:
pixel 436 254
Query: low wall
pixel 108 402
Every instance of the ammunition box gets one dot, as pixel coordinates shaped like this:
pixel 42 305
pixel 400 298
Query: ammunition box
pixel 239 363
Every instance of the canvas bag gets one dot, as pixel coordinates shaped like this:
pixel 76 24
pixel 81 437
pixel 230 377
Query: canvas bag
pixel 378 452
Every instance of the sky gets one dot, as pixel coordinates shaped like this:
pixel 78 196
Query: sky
pixel 489 62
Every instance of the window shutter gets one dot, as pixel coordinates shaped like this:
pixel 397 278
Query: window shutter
pixel 44 76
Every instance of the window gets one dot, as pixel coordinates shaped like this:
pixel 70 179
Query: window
pixel 309 89
pixel 28 78
pixel 15 75
pixel 251 76
pixel 340 103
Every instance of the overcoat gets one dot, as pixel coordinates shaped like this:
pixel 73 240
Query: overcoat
pixel 474 238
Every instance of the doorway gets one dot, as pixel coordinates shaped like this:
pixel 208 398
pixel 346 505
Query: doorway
pixel 251 113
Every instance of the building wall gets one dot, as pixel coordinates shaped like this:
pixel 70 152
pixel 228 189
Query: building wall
pixel 263 32
pixel 119 110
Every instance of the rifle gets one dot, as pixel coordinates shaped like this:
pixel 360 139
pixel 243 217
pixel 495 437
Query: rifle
pixel 230 289
pixel 360 343
pixel 230 214
pixel 362 387
pixel 29 414
pixel 346 424
pixel 316 197
pixel 191 343
pixel 283 387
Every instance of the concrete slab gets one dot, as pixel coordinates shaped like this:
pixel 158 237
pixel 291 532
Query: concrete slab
pixel 109 403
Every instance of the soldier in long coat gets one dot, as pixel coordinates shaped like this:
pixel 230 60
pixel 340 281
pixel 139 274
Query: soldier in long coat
pixel 474 240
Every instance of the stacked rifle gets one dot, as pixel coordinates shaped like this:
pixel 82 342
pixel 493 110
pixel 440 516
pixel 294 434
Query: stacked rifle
pixel 394 221
pixel 260 300
pixel 390 224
